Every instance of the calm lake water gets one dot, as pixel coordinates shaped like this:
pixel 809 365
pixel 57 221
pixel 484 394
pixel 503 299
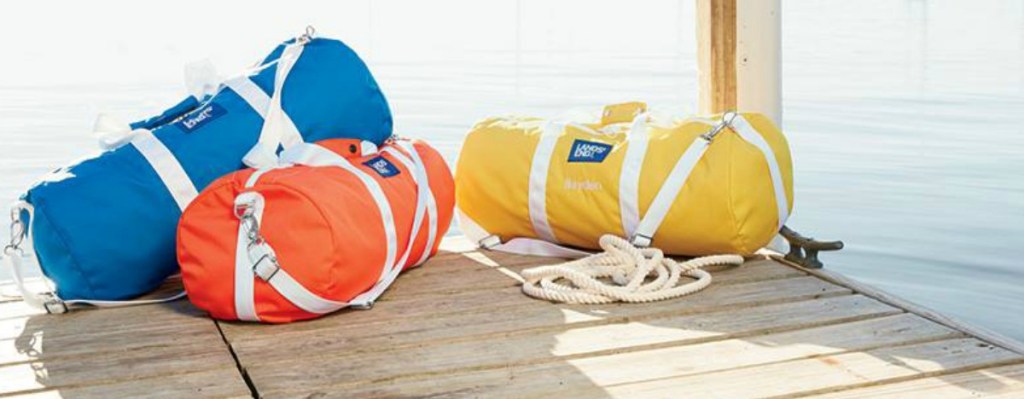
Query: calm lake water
pixel 905 116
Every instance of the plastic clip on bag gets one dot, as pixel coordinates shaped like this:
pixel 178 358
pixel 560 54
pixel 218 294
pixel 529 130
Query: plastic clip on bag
pixel 331 227
pixel 103 229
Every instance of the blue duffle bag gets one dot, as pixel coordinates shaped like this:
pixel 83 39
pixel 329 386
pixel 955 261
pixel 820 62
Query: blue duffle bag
pixel 103 230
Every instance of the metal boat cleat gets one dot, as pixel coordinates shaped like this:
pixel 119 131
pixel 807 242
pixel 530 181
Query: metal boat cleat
pixel 804 250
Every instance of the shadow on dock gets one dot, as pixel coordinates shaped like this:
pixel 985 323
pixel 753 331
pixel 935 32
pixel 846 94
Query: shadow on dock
pixel 459 327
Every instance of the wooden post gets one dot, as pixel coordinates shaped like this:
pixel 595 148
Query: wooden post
pixel 739 56
pixel 716 55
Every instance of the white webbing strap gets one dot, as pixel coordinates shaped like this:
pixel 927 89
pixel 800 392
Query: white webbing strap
pixel 629 178
pixel 422 192
pixel 297 294
pixel 278 127
pixel 519 246
pixel 201 79
pixel 669 191
pixel 134 302
pixel 166 166
pixel 252 94
pixel 539 168
pixel 742 127
pixel 433 226
pixel 420 209
pixel 425 202
pixel 113 134
pixel 49 301
pixel 245 304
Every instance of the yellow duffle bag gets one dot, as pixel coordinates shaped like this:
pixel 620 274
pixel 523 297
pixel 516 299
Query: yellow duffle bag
pixel 689 187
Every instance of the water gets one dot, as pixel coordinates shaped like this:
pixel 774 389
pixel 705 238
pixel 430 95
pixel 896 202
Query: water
pixel 904 115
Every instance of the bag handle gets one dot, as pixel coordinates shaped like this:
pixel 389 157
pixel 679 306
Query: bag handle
pixel 622 112
pixel 278 128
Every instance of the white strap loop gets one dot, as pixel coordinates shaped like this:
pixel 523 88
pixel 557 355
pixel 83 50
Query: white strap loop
pixel 202 79
pixel 629 179
pixel 111 133
pixel 245 307
pixel 278 128
pixel 425 203
pixel 166 166
pixel 297 294
pixel 539 180
pixel 670 189
pixel 423 182
pixel 253 95
pixel 752 136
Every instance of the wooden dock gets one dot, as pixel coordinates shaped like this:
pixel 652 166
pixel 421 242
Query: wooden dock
pixel 459 327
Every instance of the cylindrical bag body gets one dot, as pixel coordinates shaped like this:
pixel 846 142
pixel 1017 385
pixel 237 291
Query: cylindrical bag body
pixel 103 229
pixel 570 183
pixel 335 229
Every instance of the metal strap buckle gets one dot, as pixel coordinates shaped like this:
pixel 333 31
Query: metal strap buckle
pixel 18 230
pixel 264 260
pixel 362 306
pixel 489 242
pixel 641 240
pixel 727 119
pixel 307 36
pixel 244 209
pixel 55 305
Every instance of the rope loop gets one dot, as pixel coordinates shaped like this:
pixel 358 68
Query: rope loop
pixel 622 273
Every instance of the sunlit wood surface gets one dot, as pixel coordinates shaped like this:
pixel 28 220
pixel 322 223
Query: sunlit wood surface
pixel 459 327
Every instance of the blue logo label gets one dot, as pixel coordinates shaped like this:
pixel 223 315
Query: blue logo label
pixel 589 151
pixel 201 117
pixel 382 166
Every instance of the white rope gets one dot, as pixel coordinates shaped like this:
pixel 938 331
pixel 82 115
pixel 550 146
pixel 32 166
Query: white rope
pixel 628 267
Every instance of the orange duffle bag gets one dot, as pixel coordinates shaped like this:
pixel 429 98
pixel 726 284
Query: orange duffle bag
pixel 331 227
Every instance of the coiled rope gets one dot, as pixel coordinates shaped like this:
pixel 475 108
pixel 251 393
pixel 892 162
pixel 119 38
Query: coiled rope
pixel 628 267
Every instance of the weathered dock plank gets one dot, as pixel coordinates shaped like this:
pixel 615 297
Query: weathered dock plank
pixel 829 373
pixel 994 382
pixel 171 350
pixel 497 351
pixel 589 375
pixel 218 383
pixel 460 327
pixel 466 314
